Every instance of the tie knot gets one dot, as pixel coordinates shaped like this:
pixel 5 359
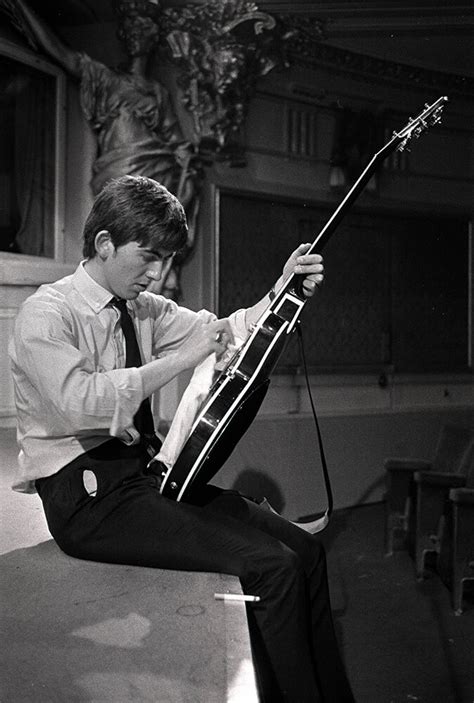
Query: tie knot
pixel 120 304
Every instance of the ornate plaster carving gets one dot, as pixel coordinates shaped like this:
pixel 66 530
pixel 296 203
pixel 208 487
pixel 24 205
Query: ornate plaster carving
pixel 222 48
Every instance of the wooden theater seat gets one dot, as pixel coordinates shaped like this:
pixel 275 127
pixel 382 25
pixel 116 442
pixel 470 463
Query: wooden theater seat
pixel 401 487
pixel 432 494
pixel 455 539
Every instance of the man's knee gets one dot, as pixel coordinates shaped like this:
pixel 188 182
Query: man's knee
pixel 282 567
pixel 311 552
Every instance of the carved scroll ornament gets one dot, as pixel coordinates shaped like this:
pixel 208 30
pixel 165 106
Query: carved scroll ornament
pixel 221 48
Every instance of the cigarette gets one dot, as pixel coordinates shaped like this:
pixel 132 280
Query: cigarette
pixel 236 596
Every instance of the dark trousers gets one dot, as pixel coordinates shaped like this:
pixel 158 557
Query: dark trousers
pixel 128 521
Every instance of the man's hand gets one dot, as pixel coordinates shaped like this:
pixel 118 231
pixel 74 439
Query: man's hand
pixel 209 337
pixel 308 265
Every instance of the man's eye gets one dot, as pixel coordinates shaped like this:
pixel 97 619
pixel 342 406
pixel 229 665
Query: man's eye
pixel 149 257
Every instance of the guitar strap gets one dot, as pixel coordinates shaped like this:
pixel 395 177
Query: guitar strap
pixel 318 524
pixel 327 481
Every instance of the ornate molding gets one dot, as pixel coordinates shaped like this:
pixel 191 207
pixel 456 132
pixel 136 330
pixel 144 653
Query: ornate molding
pixel 221 48
pixel 308 48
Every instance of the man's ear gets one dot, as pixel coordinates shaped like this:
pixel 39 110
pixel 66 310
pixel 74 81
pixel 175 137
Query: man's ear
pixel 103 244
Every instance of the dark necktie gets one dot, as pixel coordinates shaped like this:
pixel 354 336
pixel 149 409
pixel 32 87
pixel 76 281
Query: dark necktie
pixel 143 419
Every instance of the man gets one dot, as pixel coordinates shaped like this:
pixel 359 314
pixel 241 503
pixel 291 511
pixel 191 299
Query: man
pixel 80 414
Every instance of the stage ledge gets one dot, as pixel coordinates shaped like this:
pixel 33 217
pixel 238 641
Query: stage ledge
pixel 75 630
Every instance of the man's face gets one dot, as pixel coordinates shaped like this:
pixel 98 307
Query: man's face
pixel 129 269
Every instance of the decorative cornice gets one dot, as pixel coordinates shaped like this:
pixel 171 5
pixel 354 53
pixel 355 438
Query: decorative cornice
pixel 221 49
pixel 308 48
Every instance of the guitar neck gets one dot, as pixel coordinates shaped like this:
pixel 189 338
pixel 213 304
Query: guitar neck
pixel 431 115
pixel 293 283
pixel 333 222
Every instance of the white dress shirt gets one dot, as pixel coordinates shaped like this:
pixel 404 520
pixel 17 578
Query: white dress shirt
pixel 72 390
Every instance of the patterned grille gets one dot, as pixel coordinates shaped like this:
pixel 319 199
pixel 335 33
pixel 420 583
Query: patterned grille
pixel 395 290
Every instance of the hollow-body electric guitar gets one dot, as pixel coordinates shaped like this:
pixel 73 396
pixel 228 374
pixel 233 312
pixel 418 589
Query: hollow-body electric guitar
pixel 238 391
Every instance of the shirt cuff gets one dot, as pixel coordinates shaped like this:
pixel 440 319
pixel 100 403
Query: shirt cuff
pixel 129 394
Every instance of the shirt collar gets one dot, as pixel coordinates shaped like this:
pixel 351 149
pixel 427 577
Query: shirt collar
pixel 93 293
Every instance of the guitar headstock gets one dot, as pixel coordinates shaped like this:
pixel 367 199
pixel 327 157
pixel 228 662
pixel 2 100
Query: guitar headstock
pixel 430 116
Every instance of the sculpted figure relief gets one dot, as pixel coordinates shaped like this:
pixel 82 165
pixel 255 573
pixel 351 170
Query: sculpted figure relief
pixel 222 47
pixel 131 114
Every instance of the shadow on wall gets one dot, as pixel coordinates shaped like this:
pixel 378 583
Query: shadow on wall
pixel 259 485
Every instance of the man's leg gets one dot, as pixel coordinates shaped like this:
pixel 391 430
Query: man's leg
pixel 327 660
pixel 129 522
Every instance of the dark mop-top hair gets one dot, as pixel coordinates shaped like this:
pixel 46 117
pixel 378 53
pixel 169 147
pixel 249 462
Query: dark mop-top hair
pixel 136 208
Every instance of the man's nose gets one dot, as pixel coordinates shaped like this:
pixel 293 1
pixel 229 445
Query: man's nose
pixel 155 270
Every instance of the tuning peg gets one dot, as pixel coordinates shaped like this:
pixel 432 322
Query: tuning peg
pixel 419 129
pixel 403 145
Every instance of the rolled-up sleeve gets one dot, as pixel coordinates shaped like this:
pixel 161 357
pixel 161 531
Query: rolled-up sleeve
pixel 238 324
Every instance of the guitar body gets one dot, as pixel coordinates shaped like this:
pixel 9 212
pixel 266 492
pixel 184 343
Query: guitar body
pixel 233 401
pixel 239 390
pixel 214 439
